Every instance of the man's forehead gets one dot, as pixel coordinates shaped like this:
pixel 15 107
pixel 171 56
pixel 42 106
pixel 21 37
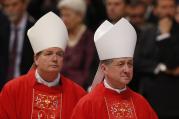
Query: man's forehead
pixel 53 49
pixel 165 1
pixel 123 59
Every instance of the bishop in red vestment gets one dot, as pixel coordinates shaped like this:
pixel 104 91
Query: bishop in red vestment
pixel 111 98
pixel 25 98
pixel 103 103
pixel 43 93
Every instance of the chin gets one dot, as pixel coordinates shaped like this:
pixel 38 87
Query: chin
pixel 126 81
pixel 54 70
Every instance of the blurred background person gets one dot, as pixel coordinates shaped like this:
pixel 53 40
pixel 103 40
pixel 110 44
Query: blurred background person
pixel 17 51
pixel 158 61
pixel 80 48
pixel 136 14
pixel 116 9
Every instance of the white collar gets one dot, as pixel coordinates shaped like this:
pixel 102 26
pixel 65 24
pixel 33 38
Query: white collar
pixel 106 85
pixel 49 84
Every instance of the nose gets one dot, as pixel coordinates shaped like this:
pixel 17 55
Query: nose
pixel 126 68
pixel 54 57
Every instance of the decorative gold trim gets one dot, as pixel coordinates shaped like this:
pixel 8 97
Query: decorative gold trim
pixel 108 107
pixel 61 100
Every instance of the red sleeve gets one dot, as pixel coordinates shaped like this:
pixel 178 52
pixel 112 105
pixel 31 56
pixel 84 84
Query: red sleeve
pixel 7 103
pixel 151 113
pixel 83 110
pixel 143 108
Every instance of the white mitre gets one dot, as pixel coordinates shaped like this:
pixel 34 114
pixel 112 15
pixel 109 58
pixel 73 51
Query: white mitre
pixel 49 31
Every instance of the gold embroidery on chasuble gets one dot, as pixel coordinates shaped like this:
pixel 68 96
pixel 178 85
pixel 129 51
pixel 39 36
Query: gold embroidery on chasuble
pixel 46 106
pixel 120 109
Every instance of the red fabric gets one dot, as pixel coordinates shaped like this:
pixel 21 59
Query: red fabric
pixel 103 103
pixel 24 98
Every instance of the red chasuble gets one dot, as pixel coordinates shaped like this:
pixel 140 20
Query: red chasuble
pixel 25 98
pixel 103 103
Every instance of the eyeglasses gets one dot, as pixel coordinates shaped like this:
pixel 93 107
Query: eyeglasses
pixel 122 64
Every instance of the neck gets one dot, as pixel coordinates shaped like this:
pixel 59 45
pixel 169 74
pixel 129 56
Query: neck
pixel 115 85
pixel 18 20
pixel 118 90
pixel 74 31
pixel 16 23
pixel 48 76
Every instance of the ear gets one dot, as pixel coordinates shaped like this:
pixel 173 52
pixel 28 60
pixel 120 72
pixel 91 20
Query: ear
pixel 104 68
pixel 36 59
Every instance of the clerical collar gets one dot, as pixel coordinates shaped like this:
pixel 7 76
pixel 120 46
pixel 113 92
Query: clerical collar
pixel 106 85
pixel 49 84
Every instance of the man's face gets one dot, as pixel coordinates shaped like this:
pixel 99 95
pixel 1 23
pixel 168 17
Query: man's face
pixel 14 9
pixel 115 9
pixel 120 72
pixel 166 8
pixel 50 60
pixel 136 15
